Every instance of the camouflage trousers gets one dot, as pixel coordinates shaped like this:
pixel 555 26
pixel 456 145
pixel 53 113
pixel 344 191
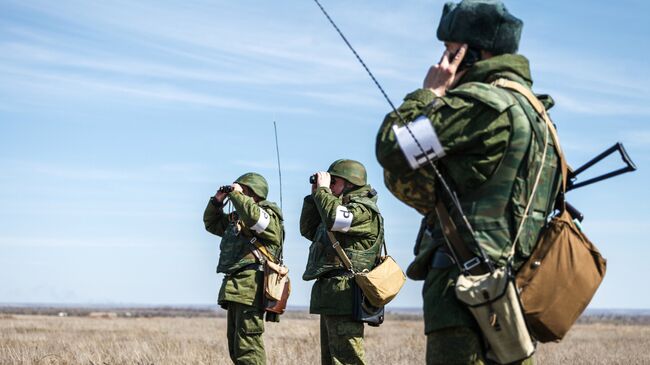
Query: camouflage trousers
pixel 459 346
pixel 341 341
pixel 245 329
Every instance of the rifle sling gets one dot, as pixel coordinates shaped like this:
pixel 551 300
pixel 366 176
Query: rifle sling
pixel 461 253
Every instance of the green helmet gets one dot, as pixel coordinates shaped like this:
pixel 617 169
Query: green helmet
pixel 350 170
pixel 256 182
pixel 482 24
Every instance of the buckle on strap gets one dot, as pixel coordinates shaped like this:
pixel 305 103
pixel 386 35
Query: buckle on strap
pixel 501 82
pixel 472 263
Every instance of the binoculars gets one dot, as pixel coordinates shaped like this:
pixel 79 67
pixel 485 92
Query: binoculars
pixel 226 189
pixel 312 179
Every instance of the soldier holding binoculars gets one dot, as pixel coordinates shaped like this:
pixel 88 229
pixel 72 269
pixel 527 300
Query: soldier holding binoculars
pixel 253 219
pixel 342 202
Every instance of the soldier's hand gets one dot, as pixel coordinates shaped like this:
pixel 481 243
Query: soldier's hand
pixel 443 75
pixel 237 187
pixel 220 196
pixel 323 179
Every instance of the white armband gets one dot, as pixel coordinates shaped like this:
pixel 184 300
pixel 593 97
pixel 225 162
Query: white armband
pixel 425 134
pixel 343 220
pixel 262 222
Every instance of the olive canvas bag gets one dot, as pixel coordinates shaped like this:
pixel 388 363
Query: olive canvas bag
pixel 565 269
pixel 277 285
pixel 381 284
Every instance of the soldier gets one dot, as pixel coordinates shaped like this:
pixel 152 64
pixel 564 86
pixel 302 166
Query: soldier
pixel 341 202
pixel 488 143
pixel 241 290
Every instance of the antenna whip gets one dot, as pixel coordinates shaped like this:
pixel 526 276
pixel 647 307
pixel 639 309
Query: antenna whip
pixel 445 186
pixel 277 151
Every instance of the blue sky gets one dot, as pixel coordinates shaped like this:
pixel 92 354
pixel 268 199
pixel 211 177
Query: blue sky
pixel 119 119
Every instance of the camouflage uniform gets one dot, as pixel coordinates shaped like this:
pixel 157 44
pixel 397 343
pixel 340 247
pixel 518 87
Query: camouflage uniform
pixel 492 143
pixel 354 219
pixel 241 289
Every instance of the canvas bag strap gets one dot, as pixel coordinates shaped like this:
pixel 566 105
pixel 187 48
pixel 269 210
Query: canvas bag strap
pixel 381 236
pixel 259 251
pixel 339 250
pixel 344 257
pixel 541 110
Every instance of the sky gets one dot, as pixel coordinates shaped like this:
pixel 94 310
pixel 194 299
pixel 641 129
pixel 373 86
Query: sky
pixel 119 119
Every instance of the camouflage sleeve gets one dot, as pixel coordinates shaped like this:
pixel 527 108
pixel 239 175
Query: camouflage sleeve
pixel 387 150
pixel 309 218
pixel 351 219
pixel 473 136
pixel 262 223
pixel 214 219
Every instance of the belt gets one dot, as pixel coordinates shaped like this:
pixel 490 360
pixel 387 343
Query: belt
pixel 335 273
pixel 253 266
pixel 442 259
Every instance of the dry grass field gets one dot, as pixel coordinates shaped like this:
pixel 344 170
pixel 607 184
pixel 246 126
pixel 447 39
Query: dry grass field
pixel 39 339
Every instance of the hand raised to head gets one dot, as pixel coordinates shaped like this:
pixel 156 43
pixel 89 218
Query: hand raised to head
pixel 443 75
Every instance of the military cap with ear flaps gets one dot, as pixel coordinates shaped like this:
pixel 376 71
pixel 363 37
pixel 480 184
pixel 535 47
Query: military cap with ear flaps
pixel 350 170
pixel 256 182
pixel 482 24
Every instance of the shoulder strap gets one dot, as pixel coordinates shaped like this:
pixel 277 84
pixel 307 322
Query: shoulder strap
pixel 260 251
pixel 256 247
pixel 539 108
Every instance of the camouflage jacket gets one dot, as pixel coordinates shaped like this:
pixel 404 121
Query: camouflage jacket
pixel 356 223
pixel 262 220
pixel 490 144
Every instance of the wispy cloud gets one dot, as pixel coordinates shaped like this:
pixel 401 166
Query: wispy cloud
pixel 344 98
pixel 55 83
pixel 269 165
pixel 589 104
pixel 590 85
pixel 189 173
pixel 638 138
pixel 117 242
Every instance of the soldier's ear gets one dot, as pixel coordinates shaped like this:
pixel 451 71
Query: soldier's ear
pixel 486 54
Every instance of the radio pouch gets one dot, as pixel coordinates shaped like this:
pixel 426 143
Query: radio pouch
pixel 364 311
pixel 492 299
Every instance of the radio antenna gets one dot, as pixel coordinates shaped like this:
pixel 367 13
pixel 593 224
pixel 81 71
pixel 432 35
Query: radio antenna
pixel 277 151
pixel 435 170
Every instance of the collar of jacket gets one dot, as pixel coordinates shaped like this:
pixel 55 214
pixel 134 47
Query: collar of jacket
pixel 359 191
pixel 503 65
pixel 271 205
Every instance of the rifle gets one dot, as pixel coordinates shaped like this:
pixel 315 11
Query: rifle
pixel 573 175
